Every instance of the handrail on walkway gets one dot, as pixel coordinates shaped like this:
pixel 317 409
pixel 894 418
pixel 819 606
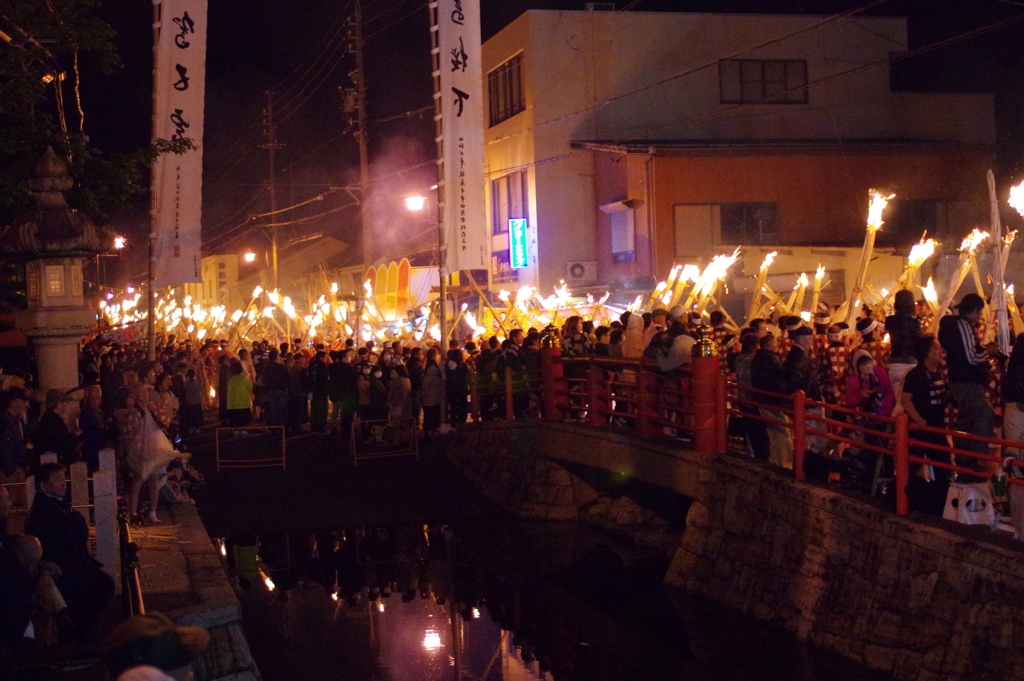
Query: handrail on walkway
pixel 132 602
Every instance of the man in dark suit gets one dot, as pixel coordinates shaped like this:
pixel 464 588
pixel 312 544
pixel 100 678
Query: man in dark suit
pixel 52 434
pixel 64 535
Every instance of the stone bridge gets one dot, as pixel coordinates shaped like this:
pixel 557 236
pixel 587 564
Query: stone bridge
pixel 915 597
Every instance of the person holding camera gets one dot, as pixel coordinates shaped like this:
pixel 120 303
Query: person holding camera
pixel 869 389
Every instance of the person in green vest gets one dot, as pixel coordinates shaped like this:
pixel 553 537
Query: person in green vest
pixel 239 397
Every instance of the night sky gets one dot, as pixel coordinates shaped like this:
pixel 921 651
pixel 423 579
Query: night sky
pixel 297 49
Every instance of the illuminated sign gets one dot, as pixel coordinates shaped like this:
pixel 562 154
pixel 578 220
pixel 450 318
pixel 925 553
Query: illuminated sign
pixel 517 243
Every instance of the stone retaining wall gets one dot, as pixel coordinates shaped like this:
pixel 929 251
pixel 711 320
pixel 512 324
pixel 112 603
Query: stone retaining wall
pixel 498 460
pixel 918 599
pixel 215 606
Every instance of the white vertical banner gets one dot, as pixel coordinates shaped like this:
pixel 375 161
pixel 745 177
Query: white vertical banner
pixel 178 90
pixel 462 131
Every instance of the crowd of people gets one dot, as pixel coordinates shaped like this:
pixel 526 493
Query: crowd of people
pixel 148 410
pixel 880 368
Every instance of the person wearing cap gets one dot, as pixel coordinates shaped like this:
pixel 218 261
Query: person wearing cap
pixel 767 373
pixel 151 648
pixel 800 375
pixel 52 433
pixel 904 329
pixel 969 369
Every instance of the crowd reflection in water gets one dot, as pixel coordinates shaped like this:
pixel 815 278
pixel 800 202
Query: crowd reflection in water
pixel 365 566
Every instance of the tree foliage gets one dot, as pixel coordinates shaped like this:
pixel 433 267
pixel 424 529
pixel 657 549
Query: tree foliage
pixel 43 44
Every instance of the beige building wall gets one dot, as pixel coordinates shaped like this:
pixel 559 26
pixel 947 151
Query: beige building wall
pixel 581 70
pixel 220 283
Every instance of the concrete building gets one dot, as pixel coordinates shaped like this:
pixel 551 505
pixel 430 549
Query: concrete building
pixel 220 284
pixel 634 140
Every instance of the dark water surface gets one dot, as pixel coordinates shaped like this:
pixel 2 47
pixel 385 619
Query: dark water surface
pixel 371 564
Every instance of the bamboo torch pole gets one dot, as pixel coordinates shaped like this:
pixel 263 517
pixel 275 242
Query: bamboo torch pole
pixel 876 205
pixel 998 306
pixel 962 268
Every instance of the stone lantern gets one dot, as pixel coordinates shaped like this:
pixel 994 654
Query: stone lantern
pixel 53 240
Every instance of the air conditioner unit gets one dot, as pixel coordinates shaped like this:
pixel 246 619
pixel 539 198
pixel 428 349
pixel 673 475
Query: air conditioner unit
pixel 580 273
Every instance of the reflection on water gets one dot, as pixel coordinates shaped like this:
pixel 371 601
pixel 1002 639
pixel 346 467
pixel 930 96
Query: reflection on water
pixel 375 603
pixel 500 601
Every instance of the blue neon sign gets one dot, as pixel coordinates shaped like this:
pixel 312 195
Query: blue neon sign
pixel 517 254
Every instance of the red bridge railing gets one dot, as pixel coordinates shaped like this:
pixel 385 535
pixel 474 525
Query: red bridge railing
pixel 696 402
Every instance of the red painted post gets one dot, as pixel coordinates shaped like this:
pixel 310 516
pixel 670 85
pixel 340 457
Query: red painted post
pixel 645 413
pixel 799 433
pixel 721 403
pixel 551 379
pixel 902 453
pixel 597 397
pixel 509 412
pixel 705 390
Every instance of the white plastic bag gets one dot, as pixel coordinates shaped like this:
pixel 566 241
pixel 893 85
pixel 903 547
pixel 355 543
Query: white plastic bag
pixel 970 504
pixel 151 450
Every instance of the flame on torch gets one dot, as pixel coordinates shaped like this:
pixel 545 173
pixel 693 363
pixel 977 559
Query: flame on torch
pixel 921 252
pixel 768 260
pixel 973 240
pixel 875 208
pixel 930 294
pixel 1016 199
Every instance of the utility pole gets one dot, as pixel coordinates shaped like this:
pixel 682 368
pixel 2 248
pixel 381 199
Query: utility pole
pixel 272 146
pixel 359 76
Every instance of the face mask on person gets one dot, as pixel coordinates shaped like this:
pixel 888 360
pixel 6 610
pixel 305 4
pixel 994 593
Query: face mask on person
pixel 377 374
pixel 452 364
pixel 366 371
pixel 386 356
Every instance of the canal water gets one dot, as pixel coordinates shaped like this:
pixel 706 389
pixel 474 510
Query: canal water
pixel 529 600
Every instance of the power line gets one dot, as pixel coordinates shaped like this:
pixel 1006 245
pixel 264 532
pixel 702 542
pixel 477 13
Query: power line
pixel 239 144
pixel 382 13
pixel 694 69
pixel 249 222
pixel 888 60
pixel 397 21
pixel 712 114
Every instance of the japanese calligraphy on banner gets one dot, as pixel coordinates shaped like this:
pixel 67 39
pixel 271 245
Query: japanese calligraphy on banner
pixel 178 90
pixel 462 130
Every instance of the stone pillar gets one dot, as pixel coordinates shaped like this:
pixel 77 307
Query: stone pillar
pixel 56 319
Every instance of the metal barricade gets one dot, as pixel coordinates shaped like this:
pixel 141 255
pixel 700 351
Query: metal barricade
pixel 384 438
pixel 251 438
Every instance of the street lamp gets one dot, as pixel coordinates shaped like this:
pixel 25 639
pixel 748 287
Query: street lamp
pixel 415 202
pixel 120 242
pixel 250 257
